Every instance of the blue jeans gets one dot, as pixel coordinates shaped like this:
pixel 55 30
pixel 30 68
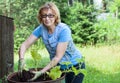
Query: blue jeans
pixel 72 78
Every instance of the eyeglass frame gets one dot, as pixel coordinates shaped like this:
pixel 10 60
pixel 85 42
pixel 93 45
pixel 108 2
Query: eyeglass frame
pixel 47 15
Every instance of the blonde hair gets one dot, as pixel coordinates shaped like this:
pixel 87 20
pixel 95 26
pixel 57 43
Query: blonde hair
pixel 54 8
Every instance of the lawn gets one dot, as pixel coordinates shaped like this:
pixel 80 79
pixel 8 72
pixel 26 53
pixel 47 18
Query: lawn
pixel 102 63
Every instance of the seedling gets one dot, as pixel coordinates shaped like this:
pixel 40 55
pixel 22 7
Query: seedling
pixel 73 69
pixel 66 63
pixel 55 73
pixel 79 70
pixel 36 57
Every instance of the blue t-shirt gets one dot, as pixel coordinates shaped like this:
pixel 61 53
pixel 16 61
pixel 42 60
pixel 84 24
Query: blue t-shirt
pixel 62 33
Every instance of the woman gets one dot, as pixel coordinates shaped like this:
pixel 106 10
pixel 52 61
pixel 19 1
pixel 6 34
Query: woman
pixel 58 41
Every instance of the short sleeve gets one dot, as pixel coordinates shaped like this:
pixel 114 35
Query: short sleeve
pixel 65 35
pixel 37 32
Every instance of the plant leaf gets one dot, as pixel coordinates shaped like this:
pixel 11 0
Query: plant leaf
pixel 55 73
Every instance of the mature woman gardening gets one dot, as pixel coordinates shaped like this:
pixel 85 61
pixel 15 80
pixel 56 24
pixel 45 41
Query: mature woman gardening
pixel 58 41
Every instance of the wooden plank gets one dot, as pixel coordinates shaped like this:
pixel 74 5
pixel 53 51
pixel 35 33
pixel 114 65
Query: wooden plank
pixel 7 46
pixel 3 55
pixel 0 45
pixel 10 61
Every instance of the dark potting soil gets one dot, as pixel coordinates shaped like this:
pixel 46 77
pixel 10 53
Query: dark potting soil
pixel 26 75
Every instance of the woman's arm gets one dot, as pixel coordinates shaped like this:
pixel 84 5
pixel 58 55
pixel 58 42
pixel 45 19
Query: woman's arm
pixel 26 44
pixel 61 48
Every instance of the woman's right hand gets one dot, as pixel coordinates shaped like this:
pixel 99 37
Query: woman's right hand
pixel 21 65
pixel 36 75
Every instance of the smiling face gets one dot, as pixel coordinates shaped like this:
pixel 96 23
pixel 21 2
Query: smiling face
pixel 48 17
pixel 49 14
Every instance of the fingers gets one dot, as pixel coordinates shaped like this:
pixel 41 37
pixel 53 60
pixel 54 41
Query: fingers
pixel 37 74
pixel 20 66
pixel 20 74
pixel 34 78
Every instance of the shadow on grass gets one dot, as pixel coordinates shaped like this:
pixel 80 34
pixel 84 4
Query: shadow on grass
pixel 96 76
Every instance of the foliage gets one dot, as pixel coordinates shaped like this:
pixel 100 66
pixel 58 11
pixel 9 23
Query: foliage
pixel 55 72
pixel 19 36
pixel 67 63
pixel 114 7
pixel 74 69
pixel 108 29
pixel 81 20
pixel 63 7
pixel 77 71
pixel 80 17
pixel 36 57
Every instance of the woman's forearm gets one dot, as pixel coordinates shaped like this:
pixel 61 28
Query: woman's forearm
pixel 22 51
pixel 59 54
pixel 52 63
pixel 26 44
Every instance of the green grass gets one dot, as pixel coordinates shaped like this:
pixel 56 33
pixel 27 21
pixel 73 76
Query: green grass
pixel 102 63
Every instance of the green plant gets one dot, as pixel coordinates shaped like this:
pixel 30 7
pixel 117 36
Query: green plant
pixel 81 20
pixel 67 63
pixel 55 72
pixel 36 57
pixel 73 69
pixel 77 71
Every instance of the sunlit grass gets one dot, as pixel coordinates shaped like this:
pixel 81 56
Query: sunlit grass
pixel 102 63
pixel 104 58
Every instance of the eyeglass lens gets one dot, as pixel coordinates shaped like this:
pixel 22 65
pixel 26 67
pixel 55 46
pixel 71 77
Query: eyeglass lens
pixel 49 15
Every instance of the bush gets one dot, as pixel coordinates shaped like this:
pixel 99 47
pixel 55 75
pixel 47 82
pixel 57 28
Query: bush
pixel 81 19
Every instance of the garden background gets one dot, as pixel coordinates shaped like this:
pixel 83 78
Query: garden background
pixel 95 26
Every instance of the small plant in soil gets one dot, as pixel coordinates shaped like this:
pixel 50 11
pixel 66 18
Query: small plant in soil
pixel 36 57
pixel 74 69
pixel 77 71
pixel 53 74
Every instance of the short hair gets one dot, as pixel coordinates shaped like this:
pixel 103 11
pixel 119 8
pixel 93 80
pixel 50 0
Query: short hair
pixel 54 8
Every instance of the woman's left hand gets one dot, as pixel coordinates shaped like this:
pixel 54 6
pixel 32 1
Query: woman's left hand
pixel 36 75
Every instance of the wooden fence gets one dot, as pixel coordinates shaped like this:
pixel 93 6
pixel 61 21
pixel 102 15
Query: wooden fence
pixel 6 46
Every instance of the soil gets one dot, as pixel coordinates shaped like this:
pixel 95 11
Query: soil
pixel 26 75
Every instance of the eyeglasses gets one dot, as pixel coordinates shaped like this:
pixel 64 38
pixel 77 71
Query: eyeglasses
pixel 49 15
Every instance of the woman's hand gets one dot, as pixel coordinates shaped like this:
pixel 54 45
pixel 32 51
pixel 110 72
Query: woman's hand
pixel 36 75
pixel 21 66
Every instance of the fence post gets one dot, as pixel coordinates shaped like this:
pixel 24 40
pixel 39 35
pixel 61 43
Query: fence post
pixel 6 46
